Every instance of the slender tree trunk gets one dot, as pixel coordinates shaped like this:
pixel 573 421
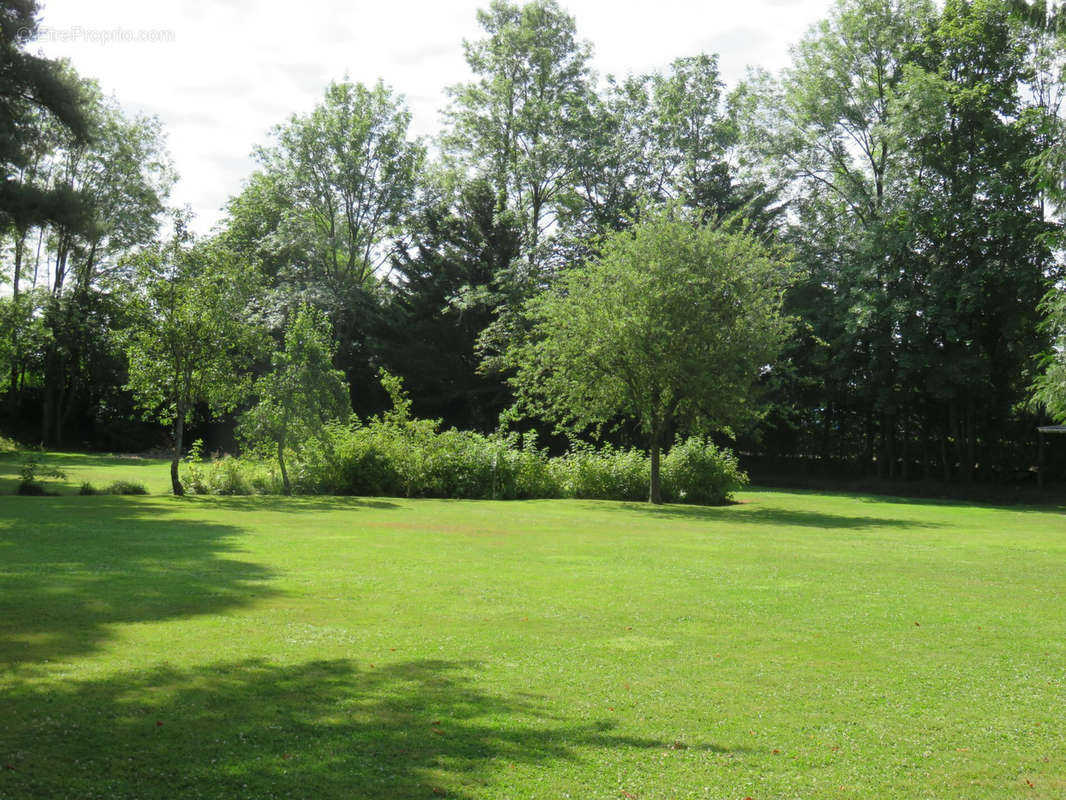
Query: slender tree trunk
pixel 179 435
pixel 971 441
pixel 20 246
pixel 890 446
pixel 945 461
pixel 60 400
pixel 655 492
pixel 49 399
pixel 926 460
pixel 868 443
pixel 286 487
pixel 905 446
pixel 960 429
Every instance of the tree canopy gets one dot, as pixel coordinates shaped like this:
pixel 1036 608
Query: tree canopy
pixel 672 324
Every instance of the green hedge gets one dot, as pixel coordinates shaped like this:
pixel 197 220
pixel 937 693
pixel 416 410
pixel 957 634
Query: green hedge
pixel 411 458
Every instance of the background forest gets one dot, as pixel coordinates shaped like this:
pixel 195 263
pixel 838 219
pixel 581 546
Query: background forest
pixel 905 176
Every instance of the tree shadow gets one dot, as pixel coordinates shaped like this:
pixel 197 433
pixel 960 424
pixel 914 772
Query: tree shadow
pixel 149 471
pixel 251 729
pixel 983 496
pixel 292 505
pixel 73 566
pixel 749 514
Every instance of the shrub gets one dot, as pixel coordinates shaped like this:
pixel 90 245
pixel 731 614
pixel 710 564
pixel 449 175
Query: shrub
pixel 30 469
pixel 695 471
pixel 228 475
pixel 523 471
pixel 604 474
pixel 87 489
pixel 124 487
pixel 346 460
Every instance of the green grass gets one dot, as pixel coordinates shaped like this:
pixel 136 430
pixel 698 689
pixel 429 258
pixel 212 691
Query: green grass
pixel 793 646
pixel 98 469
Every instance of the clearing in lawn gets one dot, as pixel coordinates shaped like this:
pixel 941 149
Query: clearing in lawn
pixel 792 646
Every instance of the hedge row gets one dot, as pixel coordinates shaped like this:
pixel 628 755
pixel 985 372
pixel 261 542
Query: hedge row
pixel 411 458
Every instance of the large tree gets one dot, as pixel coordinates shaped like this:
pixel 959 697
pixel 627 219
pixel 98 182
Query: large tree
pixel 32 90
pixel 194 341
pixel 1049 388
pixel 318 216
pixel 448 279
pixel 672 324
pixel 520 124
pixel 906 135
pixel 123 175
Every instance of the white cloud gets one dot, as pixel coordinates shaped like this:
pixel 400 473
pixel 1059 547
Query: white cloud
pixel 234 68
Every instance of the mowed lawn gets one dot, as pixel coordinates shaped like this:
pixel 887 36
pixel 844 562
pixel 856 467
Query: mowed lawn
pixel 792 646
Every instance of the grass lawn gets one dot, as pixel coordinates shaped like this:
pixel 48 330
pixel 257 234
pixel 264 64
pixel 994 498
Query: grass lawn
pixel 98 469
pixel 793 646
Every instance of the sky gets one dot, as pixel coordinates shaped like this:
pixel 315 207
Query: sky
pixel 220 74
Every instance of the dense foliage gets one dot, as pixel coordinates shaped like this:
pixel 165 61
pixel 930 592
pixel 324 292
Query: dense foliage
pixel 908 167
pixel 670 325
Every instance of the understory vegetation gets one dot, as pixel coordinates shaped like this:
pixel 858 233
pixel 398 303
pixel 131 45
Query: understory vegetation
pixel 383 459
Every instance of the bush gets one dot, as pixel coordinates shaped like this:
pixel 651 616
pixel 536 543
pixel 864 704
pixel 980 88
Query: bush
pixel 604 474
pixel 414 460
pixel 123 487
pixel 227 475
pixel 695 471
pixel 30 470
pixel 88 489
pixel 398 456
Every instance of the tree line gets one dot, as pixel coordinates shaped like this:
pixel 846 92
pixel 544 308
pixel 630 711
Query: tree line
pixel 855 261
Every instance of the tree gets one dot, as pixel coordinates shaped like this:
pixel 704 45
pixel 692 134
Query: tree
pixel 665 137
pixel 317 217
pixel 194 338
pixel 906 136
pixel 1049 389
pixel 521 123
pixel 448 279
pixel 979 256
pixel 673 323
pixel 32 89
pixel 123 175
pixel 346 172
pixel 301 393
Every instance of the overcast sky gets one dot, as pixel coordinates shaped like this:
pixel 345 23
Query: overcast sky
pixel 221 73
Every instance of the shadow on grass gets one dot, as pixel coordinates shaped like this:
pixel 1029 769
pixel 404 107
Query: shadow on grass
pixel 1022 500
pixel 72 566
pixel 746 514
pixel 250 729
pixel 130 468
pixel 295 504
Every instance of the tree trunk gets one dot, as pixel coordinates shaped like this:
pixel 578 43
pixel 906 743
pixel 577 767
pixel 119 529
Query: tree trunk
pixel 960 444
pixel 15 278
pixel 655 492
pixel 286 487
pixel 945 461
pixel 868 443
pixel 971 442
pixel 890 445
pixel 179 433
pixel 49 399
